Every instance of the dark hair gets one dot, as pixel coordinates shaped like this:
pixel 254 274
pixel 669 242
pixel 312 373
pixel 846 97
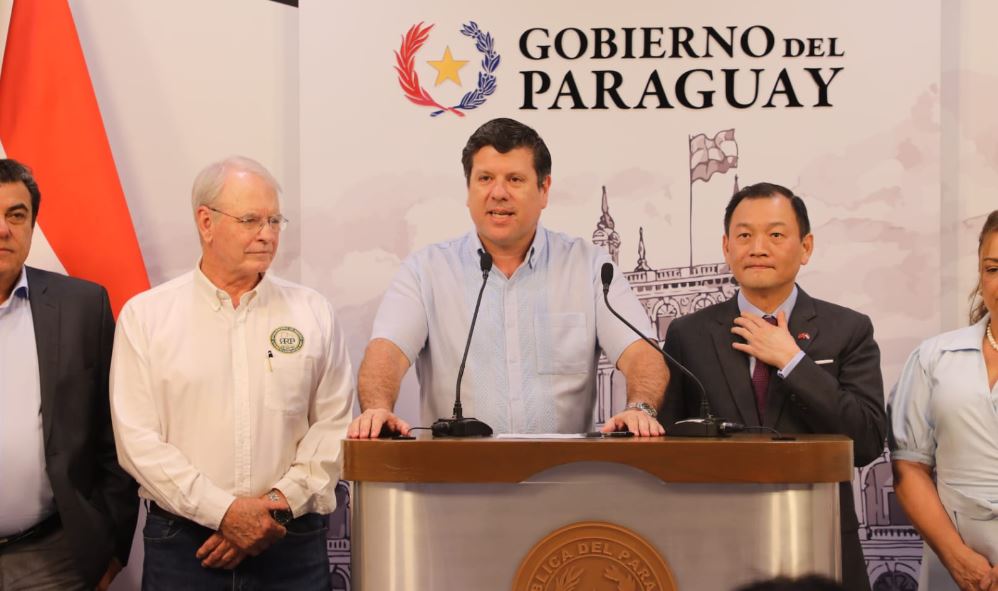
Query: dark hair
pixel 807 583
pixel 12 171
pixel 504 135
pixel 763 190
pixel 977 308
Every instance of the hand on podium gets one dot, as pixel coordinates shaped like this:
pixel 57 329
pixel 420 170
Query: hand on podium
pixel 636 421
pixel 368 425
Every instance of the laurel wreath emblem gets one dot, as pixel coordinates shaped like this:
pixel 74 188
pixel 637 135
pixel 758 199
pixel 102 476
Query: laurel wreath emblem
pixel 405 59
pixel 570 578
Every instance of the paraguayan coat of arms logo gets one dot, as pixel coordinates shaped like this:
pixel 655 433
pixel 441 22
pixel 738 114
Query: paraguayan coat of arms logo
pixel 448 69
pixel 593 556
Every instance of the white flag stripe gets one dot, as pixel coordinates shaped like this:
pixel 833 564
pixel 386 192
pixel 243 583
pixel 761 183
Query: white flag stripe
pixel 6 6
pixel 42 256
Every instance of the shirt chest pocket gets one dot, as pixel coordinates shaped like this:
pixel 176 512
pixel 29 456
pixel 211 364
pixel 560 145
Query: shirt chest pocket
pixel 562 343
pixel 287 383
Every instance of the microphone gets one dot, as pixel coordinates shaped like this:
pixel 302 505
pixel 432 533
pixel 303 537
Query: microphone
pixel 459 425
pixel 707 425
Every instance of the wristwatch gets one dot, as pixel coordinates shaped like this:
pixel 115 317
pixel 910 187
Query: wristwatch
pixel 281 516
pixel 643 407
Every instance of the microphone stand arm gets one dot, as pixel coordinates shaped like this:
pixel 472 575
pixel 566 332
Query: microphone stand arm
pixel 707 425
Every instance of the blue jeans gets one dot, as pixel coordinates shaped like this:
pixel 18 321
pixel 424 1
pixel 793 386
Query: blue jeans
pixel 298 561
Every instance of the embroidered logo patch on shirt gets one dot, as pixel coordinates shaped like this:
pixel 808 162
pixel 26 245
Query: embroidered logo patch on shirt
pixel 287 339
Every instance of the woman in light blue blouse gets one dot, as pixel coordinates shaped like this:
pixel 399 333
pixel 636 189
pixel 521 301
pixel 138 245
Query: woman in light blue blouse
pixel 944 440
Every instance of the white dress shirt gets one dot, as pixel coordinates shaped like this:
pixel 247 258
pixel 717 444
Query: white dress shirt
pixel 25 491
pixel 210 403
pixel 532 363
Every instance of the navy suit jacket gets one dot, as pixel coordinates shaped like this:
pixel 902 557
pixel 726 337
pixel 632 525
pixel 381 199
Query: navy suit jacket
pixel 843 395
pixel 96 500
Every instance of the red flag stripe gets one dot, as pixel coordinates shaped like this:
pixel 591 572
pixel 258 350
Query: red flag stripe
pixel 50 120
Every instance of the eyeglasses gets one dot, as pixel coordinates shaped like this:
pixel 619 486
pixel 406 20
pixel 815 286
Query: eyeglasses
pixel 254 223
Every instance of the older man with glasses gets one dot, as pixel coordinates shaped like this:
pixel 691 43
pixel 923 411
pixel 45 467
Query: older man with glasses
pixel 231 390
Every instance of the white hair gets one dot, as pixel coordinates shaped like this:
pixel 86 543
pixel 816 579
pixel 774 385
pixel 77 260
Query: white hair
pixel 209 182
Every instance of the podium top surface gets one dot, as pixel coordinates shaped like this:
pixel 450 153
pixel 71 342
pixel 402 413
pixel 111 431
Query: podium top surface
pixel 744 458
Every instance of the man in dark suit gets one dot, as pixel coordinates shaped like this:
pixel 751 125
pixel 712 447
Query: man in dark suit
pixel 786 360
pixel 67 510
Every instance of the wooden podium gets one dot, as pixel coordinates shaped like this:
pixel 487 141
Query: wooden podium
pixel 593 514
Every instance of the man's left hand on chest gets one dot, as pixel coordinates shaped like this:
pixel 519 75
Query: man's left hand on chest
pixel 773 345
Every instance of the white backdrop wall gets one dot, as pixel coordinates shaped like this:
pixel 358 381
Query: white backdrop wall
pixel 181 84
pixel 969 91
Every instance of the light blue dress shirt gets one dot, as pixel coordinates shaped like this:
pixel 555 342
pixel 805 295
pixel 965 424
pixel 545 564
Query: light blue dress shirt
pixel 943 414
pixel 25 491
pixel 787 307
pixel 532 364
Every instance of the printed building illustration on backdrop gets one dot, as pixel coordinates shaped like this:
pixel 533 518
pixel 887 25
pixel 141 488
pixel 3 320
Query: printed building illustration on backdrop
pixel 892 547
pixel 665 294
pixel 338 539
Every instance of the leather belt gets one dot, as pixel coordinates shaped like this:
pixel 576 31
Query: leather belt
pixel 45 527
pixel 155 509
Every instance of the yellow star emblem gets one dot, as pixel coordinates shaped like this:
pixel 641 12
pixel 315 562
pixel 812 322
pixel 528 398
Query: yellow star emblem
pixel 447 68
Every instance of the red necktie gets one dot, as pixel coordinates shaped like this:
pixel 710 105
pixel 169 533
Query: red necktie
pixel 760 380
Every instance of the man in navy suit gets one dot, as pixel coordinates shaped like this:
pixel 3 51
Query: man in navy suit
pixel 786 360
pixel 67 509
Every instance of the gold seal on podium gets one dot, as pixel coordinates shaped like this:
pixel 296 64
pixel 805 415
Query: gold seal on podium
pixel 593 556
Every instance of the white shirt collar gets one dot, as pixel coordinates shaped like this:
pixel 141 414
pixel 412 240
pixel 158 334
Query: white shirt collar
pixel 20 289
pixel 217 297
pixel 787 306
pixel 536 247
pixel 967 338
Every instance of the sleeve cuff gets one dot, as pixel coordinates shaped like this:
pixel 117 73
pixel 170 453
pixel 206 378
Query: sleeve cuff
pixel 296 495
pixel 614 356
pixel 789 367
pixel 212 507
pixel 410 355
pixel 909 455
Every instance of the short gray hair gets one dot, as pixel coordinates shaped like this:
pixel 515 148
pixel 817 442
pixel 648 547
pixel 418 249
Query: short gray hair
pixel 209 182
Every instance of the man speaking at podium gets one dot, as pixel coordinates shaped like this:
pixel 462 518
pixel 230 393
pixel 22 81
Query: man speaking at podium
pixel 773 356
pixel 532 362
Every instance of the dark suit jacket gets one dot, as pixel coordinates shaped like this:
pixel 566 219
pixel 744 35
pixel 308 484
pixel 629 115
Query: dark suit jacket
pixel 844 396
pixel 96 500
